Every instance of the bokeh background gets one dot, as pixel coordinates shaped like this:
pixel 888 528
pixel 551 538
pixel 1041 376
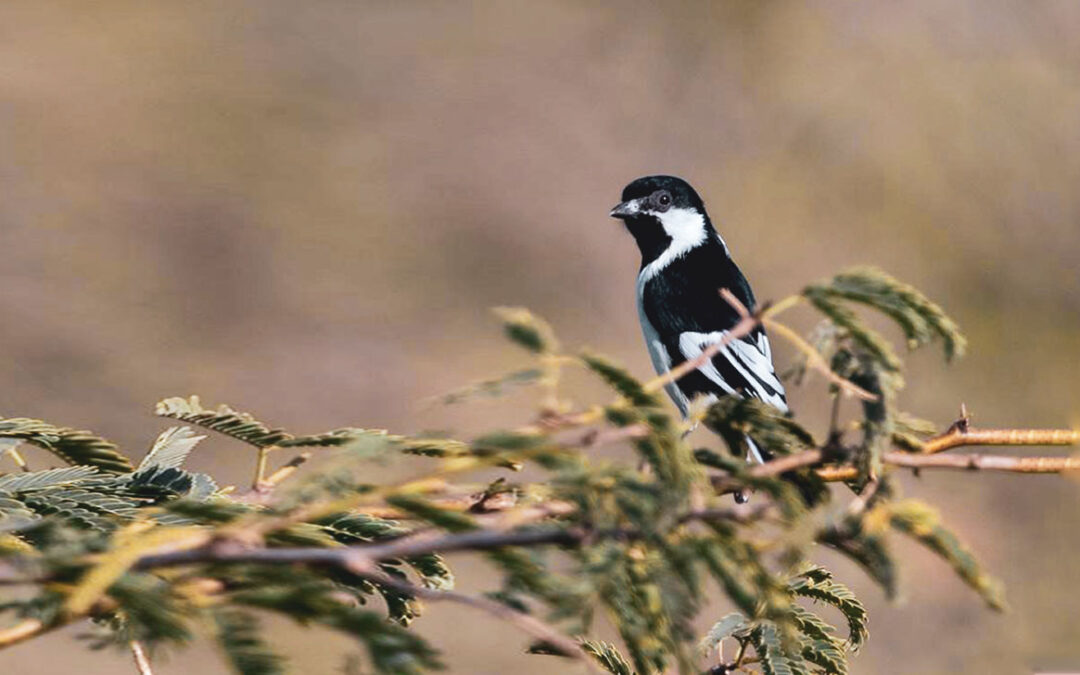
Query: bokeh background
pixel 306 209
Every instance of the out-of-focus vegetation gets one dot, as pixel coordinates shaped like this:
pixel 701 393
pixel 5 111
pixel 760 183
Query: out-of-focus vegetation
pixel 155 554
pixel 307 207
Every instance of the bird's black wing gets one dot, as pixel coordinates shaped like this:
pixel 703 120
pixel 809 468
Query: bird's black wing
pixel 684 306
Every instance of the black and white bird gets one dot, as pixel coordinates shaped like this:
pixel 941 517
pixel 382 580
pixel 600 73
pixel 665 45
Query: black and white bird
pixel 684 264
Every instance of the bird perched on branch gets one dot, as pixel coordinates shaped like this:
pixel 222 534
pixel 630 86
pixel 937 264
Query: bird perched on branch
pixel 684 265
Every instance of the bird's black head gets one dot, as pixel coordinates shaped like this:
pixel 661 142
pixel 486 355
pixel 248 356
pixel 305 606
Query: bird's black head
pixel 664 214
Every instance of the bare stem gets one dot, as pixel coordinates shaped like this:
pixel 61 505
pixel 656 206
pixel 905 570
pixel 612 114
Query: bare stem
pixel 957 436
pixel 142 661
pixel 260 467
pixel 961 435
pixel 17 457
pixel 815 360
pixel 286 470
pixel 24 630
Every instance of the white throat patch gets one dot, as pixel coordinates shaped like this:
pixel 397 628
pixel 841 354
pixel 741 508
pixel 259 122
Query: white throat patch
pixel 686 227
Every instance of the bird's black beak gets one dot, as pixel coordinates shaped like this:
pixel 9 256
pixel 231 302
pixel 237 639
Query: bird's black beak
pixel 627 209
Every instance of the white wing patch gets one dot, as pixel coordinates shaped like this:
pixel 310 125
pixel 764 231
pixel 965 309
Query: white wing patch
pixel 757 358
pixel 763 346
pixel 692 344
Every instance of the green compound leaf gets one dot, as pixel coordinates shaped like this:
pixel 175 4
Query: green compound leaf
pixel 78 448
pixel 838 595
pixel 923 523
pixel 921 319
pixel 527 330
pixel 247 653
pixel 171 448
pixel 608 657
pixel 723 629
pixel 244 427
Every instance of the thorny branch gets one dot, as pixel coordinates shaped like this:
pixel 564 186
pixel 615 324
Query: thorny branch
pixel 928 459
pixel 957 437
pixel 960 434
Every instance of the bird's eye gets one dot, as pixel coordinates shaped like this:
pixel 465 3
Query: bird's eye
pixel 663 199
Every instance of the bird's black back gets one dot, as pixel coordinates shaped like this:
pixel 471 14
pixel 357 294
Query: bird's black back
pixel 685 297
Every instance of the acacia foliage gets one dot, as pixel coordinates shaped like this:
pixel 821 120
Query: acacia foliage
pixel 640 542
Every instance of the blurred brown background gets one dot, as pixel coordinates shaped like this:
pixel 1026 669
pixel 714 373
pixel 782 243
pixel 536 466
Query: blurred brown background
pixel 305 209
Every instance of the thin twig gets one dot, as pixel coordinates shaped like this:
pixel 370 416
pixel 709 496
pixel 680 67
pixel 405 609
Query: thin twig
pixel 31 628
pixel 985 462
pixel 862 500
pixel 814 359
pixel 287 469
pixel 813 356
pixel 528 624
pixel 604 436
pixel 363 555
pixel 725 483
pixel 973 462
pixel 788 463
pixel 17 457
pixel 24 630
pixel 260 467
pixel 928 460
pixel 142 661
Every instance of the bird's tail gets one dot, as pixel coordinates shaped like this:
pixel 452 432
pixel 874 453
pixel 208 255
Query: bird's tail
pixel 754 456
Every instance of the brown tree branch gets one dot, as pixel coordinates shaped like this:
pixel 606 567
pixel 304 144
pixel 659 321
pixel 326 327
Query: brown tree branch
pixel 788 463
pixel 959 436
pixel 966 462
pixel 365 556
